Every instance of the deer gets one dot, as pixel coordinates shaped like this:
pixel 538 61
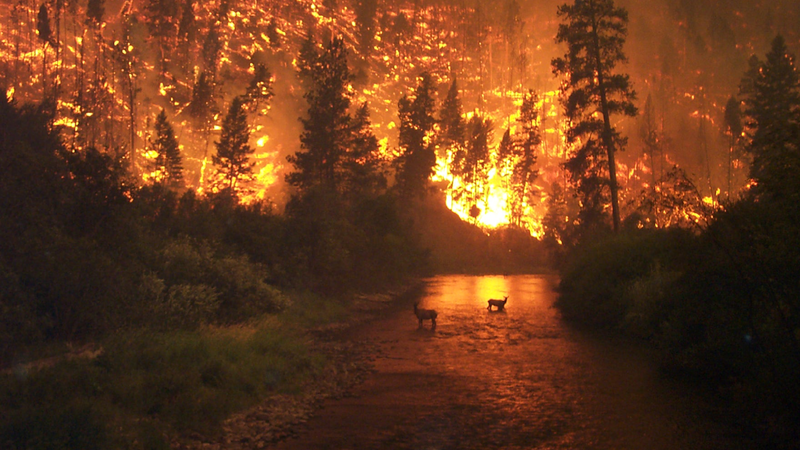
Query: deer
pixel 425 314
pixel 500 304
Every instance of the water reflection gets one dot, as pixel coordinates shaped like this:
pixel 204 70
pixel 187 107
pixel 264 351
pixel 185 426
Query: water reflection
pixel 520 379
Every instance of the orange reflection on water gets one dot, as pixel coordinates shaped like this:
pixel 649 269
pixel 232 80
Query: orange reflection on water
pixel 456 291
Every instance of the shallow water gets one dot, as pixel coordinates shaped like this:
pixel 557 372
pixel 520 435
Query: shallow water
pixel 515 379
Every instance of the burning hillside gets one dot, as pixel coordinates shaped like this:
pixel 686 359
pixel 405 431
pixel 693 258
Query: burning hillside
pixel 112 67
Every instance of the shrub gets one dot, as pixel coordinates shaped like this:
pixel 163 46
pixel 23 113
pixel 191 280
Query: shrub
pixel 229 286
pixel 599 284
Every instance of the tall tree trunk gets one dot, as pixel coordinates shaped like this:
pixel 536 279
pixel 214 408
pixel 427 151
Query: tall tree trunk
pixel 608 139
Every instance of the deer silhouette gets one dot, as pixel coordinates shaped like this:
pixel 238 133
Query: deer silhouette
pixel 500 304
pixel 425 314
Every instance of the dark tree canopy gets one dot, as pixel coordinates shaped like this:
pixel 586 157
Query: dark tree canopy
pixel 202 105
pixel 187 26
pixel 95 10
pixel 339 153
pixel 415 165
pixel 327 126
pixel 475 167
pixel 595 32
pixel 772 117
pixel 43 26
pixel 451 120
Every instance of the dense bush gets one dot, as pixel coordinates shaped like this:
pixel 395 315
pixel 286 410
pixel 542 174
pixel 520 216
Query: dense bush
pixel 607 283
pixel 723 305
pixel 84 251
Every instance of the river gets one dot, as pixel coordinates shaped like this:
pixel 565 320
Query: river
pixel 516 379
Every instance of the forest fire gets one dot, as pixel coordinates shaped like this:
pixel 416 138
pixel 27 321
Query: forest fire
pixel 195 189
pixel 111 79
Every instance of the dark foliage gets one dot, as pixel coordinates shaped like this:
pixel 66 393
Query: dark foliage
pixel 415 164
pixel 595 32
pixel 234 168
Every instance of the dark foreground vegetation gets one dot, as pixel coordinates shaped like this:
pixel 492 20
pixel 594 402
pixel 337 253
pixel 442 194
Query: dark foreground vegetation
pixel 722 301
pixel 188 307
pixel 721 306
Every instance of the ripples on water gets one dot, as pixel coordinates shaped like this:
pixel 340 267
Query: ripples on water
pixel 521 378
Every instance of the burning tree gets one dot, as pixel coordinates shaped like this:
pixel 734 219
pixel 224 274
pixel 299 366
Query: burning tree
pixel 595 31
pixel 259 91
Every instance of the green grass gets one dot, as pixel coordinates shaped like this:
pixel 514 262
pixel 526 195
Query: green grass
pixel 147 385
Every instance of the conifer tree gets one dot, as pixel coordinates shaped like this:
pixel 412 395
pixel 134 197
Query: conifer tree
pixel 43 29
pixel 259 91
pixel 592 92
pixel 233 150
pixel 168 162
pixel 476 161
pixel 187 34
pixel 452 132
pixel 211 49
pixel 772 111
pixel 45 34
pixel 202 107
pixel 363 166
pixel 327 128
pixel 504 164
pixel 523 173
pixel 339 153
pixel 415 165
pixel 648 131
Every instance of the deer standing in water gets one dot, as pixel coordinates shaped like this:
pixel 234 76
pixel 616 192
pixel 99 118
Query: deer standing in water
pixel 500 304
pixel 425 314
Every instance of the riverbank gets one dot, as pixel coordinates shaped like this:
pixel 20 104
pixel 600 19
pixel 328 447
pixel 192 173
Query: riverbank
pixel 347 364
pixel 223 387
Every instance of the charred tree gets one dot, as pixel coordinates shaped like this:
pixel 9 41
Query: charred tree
pixel 733 129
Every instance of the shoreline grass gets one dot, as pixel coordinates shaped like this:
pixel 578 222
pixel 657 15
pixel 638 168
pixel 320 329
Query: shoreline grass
pixel 147 386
